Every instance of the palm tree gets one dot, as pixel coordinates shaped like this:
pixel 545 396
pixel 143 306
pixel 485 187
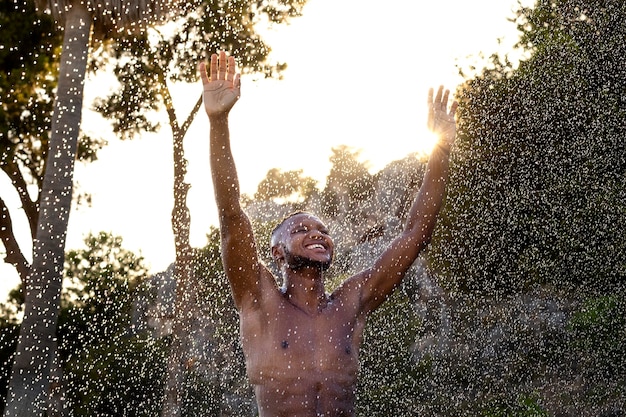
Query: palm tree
pixel 30 379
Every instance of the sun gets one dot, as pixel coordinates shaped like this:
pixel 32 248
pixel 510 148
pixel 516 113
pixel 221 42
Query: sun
pixel 427 142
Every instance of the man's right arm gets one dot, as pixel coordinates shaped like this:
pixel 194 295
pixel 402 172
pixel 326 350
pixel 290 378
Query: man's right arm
pixel 239 253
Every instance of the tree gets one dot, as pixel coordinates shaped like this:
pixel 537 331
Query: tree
pixel 535 208
pixel 27 79
pixel 145 68
pixel 348 183
pixel 387 364
pixel 112 364
pixel 29 382
pixel 279 184
pixel 29 62
pixel 537 192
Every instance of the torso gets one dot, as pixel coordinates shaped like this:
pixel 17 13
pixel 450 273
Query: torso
pixel 303 364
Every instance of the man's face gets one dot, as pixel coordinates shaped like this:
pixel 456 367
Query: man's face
pixel 303 241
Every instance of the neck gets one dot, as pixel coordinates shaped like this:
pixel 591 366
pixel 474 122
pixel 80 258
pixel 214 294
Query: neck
pixel 304 288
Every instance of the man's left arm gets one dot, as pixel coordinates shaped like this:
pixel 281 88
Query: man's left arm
pixel 379 281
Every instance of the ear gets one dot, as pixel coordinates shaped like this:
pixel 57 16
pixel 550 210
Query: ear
pixel 278 253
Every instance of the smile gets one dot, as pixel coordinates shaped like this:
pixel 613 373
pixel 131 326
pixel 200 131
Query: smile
pixel 316 246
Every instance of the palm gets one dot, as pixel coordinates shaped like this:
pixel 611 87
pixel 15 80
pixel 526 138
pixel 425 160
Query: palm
pixel 219 96
pixel 221 86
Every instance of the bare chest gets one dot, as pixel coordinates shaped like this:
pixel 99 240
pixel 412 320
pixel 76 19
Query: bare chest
pixel 283 343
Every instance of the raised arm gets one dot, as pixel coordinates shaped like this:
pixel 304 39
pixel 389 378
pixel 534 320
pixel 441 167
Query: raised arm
pixel 221 90
pixel 383 277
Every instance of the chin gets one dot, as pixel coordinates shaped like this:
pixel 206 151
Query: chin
pixel 299 262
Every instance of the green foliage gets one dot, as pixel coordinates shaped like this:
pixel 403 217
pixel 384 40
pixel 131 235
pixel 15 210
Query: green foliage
pixel 348 171
pixel 537 199
pixel 202 396
pixel 279 184
pixel 348 183
pixel 130 106
pixel 537 191
pixel 11 310
pixel 263 234
pixel 120 377
pixel 110 365
pixel 28 76
pixel 29 62
pixel 597 342
pixel 214 285
pixel 28 72
pixel 526 406
pixel 99 289
pixel 389 381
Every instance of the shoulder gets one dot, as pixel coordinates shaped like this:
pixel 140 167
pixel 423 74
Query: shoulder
pixel 263 294
pixel 350 291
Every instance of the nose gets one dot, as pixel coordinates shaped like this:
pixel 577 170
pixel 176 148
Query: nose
pixel 315 234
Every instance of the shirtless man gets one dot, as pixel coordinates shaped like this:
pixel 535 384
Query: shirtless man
pixel 301 344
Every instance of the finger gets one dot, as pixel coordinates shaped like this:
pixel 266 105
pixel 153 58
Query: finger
pixel 444 100
pixel 231 69
pixel 453 108
pixel 222 66
pixel 213 72
pixel 438 96
pixel 203 75
pixel 429 106
pixel 237 84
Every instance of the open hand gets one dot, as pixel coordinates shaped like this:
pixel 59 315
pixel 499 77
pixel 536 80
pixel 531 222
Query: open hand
pixel 222 86
pixel 440 120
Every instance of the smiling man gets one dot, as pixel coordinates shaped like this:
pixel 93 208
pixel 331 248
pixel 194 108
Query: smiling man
pixel 301 344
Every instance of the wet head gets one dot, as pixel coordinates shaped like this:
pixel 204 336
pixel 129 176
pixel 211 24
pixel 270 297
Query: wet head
pixel 302 240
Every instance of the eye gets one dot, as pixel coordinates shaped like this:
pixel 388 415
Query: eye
pixel 300 229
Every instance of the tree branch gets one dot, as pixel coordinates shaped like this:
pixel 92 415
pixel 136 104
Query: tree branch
pixel 30 207
pixel 14 255
pixel 192 115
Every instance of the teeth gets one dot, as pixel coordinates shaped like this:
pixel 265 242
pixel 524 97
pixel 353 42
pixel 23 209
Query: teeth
pixel 316 246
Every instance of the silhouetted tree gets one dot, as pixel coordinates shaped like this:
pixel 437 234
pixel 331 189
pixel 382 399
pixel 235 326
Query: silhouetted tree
pixel 29 384
pixel 279 184
pixel 348 183
pixel 112 364
pixel 535 211
pixel 537 194
pixel 27 80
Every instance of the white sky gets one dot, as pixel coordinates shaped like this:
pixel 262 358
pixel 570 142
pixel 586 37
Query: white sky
pixel 358 74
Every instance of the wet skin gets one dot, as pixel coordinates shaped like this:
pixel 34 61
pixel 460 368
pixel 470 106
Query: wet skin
pixel 302 357
pixel 299 363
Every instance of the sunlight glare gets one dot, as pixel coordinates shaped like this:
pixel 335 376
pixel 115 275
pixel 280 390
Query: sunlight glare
pixel 426 142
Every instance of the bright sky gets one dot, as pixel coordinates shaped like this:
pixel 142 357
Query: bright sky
pixel 357 75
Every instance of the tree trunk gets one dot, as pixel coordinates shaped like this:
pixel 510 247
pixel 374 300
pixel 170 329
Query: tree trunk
pixel 181 356
pixel 29 385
